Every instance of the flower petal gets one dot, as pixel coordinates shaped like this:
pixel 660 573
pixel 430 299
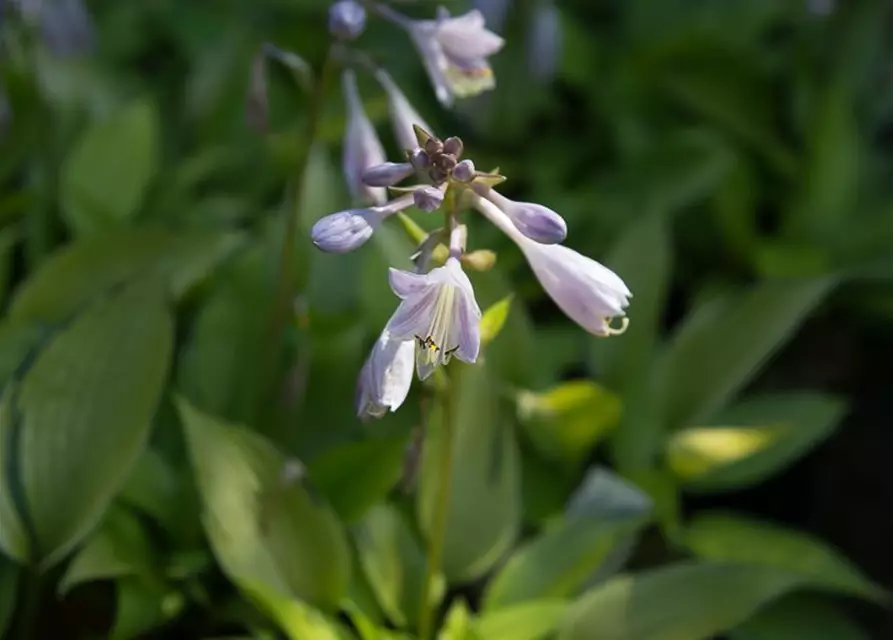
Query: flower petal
pixel 405 283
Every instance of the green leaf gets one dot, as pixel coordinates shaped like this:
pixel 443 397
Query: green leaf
pixel 494 319
pixel 104 180
pixel 767 433
pixel 9 582
pixel 82 415
pixel 565 422
pixel 394 564
pixel 219 368
pixel 526 621
pixel 297 619
pixel 484 511
pixel 799 617
pixel 643 257
pixel 601 517
pixel 143 606
pixel 85 269
pixel 155 488
pixel 119 547
pixel 356 475
pixel 734 539
pixel 723 343
pixel 681 601
pixel 8 239
pixel 264 526
pixel 458 624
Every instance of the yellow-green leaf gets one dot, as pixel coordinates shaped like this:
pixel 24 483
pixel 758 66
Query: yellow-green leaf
pixel 527 621
pixel 494 319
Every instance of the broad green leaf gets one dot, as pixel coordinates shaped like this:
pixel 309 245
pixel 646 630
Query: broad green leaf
pixel 394 564
pixel 494 319
pixel 219 368
pixel 720 537
pixel 684 601
pixel 155 488
pixel 264 526
pixel 9 582
pixel 767 433
pixel 527 621
pixel 356 475
pixel 85 269
pixel 18 341
pixel 105 177
pixel 484 510
pixel 565 422
pixel 299 620
pixel 83 414
pixel 723 344
pixel 643 258
pixel 8 239
pixel 560 561
pixel 14 539
pixel 799 617
pixel 119 547
pixel 142 606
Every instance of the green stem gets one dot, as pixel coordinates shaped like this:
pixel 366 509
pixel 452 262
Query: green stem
pixel 285 281
pixel 437 534
pixel 30 604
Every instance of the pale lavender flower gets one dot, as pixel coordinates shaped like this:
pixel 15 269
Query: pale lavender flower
pixel 533 220
pixel 66 27
pixel 439 311
pixel 544 41
pixel 362 148
pixel 464 171
pixel 348 230
pixel 387 174
pixel 403 114
pixel 386 376
pixel 588 292
pixel 347 19
pixel 454 51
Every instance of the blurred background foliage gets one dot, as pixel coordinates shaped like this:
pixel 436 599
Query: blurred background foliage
pixel 721 470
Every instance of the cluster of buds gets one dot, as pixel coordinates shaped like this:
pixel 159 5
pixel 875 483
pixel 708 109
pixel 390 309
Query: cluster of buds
pixel 438 316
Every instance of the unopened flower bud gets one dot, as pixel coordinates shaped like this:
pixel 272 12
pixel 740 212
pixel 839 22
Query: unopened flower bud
pixel 427 199
pixel 419 159
pixel 362 148
pixel 454 146
pixel 445 161
pixel 347 19
pixel 387 174
pixel 535 221
pixel 480 260
pixel 464 171
pixel 433 146
pixel 344 231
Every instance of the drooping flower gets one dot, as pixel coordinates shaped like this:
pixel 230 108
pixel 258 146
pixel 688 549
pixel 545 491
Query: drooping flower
pixel 362 148
pixel 437 310
pixel 454 51
pixel 533 220
pixel 403 115
pixel 387 174
pixel 589 293
pixel 348 230
pixel 386 376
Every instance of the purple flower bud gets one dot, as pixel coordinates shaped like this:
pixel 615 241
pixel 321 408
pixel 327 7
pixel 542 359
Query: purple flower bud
pixel 464 171
pixel 419 159
pixel 344 231
pixel 535 221
pixel 362 148
pixel 387 174
pixel 427 198
pixel 347 19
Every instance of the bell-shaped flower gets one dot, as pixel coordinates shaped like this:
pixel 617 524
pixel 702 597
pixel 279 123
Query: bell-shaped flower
pixel 439 312
pixel 386 376
pixel 403 115
pixel 348 230
pixel 588 292
pixel 362 148
pixel 533 220
pixel 454 51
